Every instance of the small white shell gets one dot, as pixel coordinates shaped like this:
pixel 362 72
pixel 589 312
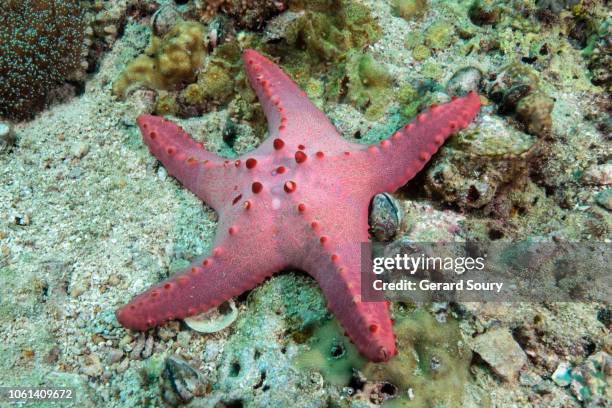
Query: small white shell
pixel 214 320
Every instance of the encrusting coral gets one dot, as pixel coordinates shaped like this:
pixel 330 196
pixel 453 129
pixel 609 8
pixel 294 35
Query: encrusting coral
pixel 42 45
pixel 168 62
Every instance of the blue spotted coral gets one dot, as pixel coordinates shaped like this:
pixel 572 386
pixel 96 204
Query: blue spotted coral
pixel 42 44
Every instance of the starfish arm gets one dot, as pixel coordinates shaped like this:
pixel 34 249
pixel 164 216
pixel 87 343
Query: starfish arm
pixel 399 158
pixel 331 251
pixel 207 283
pixel 291 115
pixel 202 172
pixel 337 269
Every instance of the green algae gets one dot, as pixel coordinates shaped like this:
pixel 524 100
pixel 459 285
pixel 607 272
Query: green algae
pixel 331 354
pixel 439 35
pixel 151 370
pixel 421 52
pixel 166 104
pixel 436 37
pixel 410 101
pixel 217 80
pixel 432 362
pixel 369 85
pixel 410 9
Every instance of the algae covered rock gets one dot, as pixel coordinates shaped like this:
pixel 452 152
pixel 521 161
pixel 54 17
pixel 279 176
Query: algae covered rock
pixel 421 52
pixel 221 82
pixel 217 80
pixel 304 39
pixel 440 35
pixel 250 14
pixel 534 111
pixel 369 84
pixel 168 62
pixel 501 352
pixel 517 91
pixel 555 6
pixel 463 81
pixel 166 104
pixel 325 30
pixel 513 82
pixel 42 45
pixel 600 56
pixel 485 12
pixel 471 168
pixel 410 9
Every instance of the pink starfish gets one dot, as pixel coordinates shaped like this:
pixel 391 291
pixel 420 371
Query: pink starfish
pixel 299 200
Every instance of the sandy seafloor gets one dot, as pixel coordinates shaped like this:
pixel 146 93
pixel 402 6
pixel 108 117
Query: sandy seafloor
pixel 89 219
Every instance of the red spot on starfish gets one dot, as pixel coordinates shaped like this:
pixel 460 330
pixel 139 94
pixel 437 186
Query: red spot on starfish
pixel 256 187
pixel 300 156
pixel 290 187
pixel 278 144
pixel 250 256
